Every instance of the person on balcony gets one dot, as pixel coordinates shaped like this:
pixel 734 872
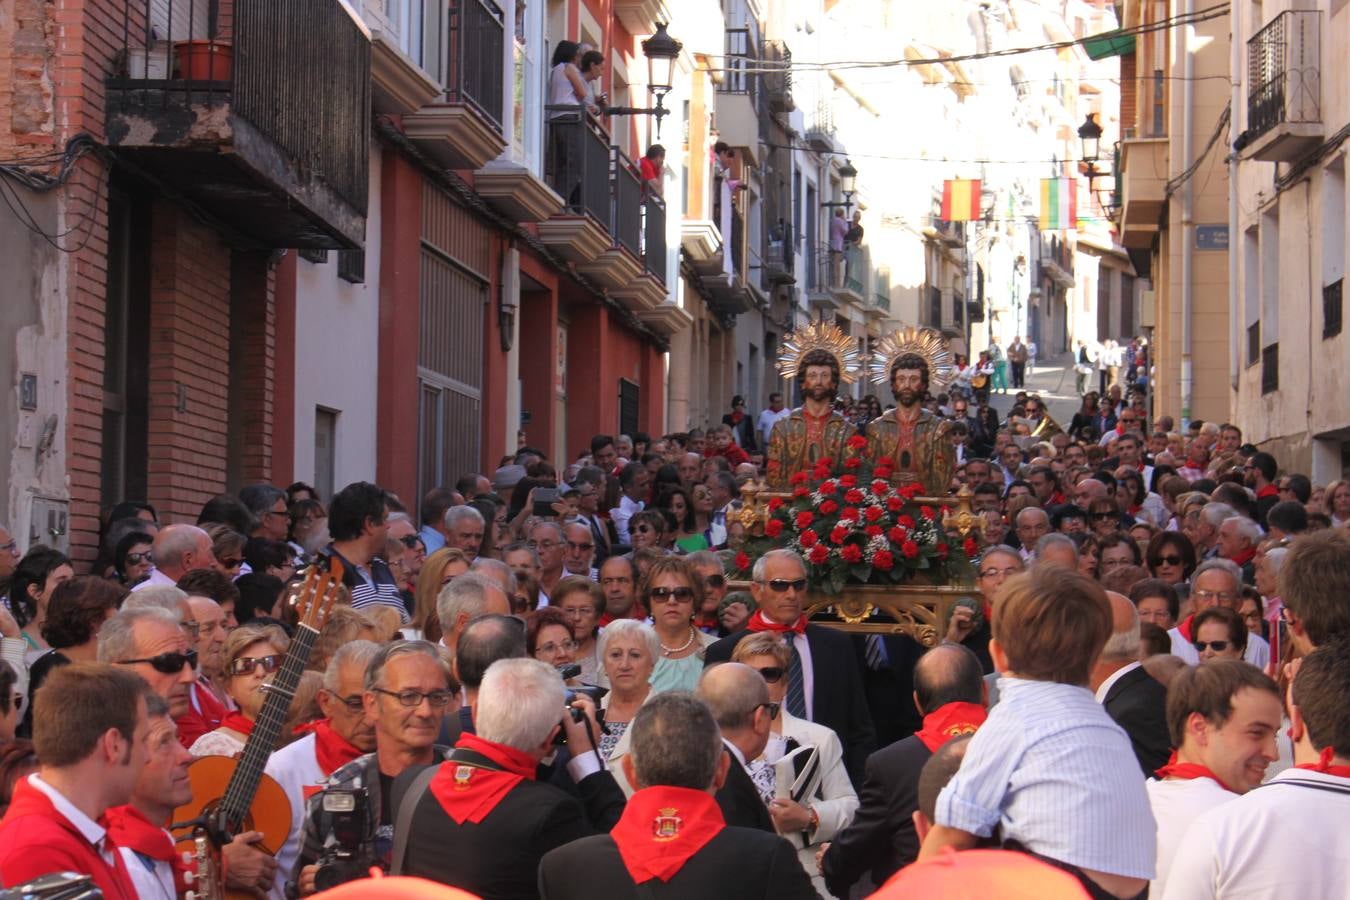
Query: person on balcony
pixel 567 87
pixel 838 235
pixel 592 70
pixel 651 167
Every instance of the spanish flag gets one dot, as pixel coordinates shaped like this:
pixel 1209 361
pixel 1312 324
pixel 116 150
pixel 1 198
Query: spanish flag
pixel 1059 204
pixel 961 200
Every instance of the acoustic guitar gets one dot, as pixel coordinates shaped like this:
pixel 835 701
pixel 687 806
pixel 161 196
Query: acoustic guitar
pixel 232 795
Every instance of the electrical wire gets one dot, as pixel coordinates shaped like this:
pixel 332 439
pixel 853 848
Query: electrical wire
pixel 14 173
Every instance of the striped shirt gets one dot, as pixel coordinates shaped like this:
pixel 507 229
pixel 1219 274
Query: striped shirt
pixel 1057 774
pixel 371 585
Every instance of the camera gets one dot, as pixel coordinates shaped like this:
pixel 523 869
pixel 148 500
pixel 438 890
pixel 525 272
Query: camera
pixel 544 498
pixel 348 840
pixel 590 690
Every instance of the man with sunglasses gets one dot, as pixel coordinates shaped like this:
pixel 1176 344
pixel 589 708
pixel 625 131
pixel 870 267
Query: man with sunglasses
pixel 153 643
pixel 824 677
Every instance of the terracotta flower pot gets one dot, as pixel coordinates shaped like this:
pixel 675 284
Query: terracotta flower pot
pixel 204 60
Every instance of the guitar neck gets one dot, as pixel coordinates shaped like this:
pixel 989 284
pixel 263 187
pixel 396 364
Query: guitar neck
pixel 262 741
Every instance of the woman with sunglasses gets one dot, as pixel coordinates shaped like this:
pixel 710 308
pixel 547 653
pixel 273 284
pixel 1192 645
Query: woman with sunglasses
pixel 1103 516
pixel 227 546
pixel 831 807
pixel 1170 558
pixel 628 651
pixel 253 654
pixel 1219 633
pixel 132 559
pixel 672 591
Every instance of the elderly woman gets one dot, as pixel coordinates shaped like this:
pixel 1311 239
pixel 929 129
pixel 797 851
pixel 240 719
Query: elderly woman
pixel 648 530
pixel 253 655
pixel 1170 557
pixel 628 651
pixel 132 559
pixel 582 602
pixel 1218 633
pixel 817 818
pixel 440 568
pixel 548 637
pixel 672 590
pixel 227 549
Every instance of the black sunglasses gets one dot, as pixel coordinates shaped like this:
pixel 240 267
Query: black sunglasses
pixel 169 663
pixel 1103 516
pixel 771 674
pixel 665 594
pixel 246 665
pixel 1168 561
pixel 781 585
pixel 1216 646
pixel 410 541
pixel 715 581
pixel 135 559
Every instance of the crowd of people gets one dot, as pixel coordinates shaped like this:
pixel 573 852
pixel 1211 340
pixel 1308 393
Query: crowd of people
pixel 541 684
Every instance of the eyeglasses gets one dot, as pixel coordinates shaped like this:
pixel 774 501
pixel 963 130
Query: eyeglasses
pixel 1104 516
pixel 131 559
pixel 771 707
pixel 231 562
pixel 354 703
pixel 715 581
pixel 412 699
pixel 273 512
pixel 553 647
pixel 1006 573
pixel 1216 646
pixel 644 529
pixel 580 548
pixel 247 665
pixel 781 585
pixel 1213 595
pixel 411 541
pixel 577 612
pixel 170 663
pixel 671 595
pixel 1168 561
pixel 192 628
pixel 771 674
pixel 542 545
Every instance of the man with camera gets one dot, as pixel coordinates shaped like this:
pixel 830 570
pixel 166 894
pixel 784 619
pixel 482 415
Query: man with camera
pixel 672 838
pixel 349 827
pixel 480 821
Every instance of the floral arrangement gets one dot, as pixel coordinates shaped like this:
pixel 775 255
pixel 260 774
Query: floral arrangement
pixel 852 526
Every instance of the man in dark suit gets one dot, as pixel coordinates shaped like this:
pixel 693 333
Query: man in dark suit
pixel 482 822
pixel 672 840
pixel 824 683
pixel 1132 697
pixel 949 694
pixel 739 700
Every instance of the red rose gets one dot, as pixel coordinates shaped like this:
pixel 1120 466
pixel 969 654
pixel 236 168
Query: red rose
pixel 848 481
pixel 808 539
pixel 872 513
pixel 773 528
pixel 742 561
pixel 829 508
pixel 798 478
pixel 880 488
pixel 850 514
pixel 885 461
pixel 819 553
pixel 942 551
pixel 852 463
pixel 883 472
pixel 838 535
pixel 897 535
pixel 883 560
pixel 905 522
pixel 857 442
pixel 854 496
pixel 805 518
pixel 910 549
pixel 895 504
pixel 970 547
pixel 926 512
pixel 828 487
pixel 875 531
pixel 851 553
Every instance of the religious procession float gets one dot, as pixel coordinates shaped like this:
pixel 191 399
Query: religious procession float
pixel 886 549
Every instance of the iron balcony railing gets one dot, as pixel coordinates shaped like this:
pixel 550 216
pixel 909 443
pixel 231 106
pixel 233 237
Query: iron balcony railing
pixel 654 236
pixel 298 72
pixel 855 269
pixel 881 296
pixel 626 204
pixel 777 79
pixel 1284 79
pixel 474 66
pixel 741 61
pixel 578 162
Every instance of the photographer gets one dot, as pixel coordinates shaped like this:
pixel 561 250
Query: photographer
pixel 407 693
pixel 481 821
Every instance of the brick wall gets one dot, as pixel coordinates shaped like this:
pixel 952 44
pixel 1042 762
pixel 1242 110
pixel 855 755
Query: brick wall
pixel 1129 85
pixel 189 363
pixel 252 367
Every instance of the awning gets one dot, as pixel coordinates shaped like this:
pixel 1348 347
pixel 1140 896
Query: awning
pixel 1108 44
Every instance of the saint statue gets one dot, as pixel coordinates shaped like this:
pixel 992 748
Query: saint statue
pixel 820 357
pixel 917 442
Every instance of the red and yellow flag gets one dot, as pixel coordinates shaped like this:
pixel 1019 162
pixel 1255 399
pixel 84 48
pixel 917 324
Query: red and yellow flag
pixel 961 200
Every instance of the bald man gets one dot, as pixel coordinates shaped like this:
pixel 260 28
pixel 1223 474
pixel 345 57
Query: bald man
pixel 178 549
pixel 739 699
pixel 1132 697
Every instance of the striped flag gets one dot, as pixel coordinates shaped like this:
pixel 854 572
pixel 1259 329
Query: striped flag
pixel 1059 204
pixel 961 200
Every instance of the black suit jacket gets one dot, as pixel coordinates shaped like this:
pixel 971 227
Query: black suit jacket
pixel 737 864
pixel 837 695
pixel 881 838
pixel 740 801
pixel 1138 703
pixel 890 689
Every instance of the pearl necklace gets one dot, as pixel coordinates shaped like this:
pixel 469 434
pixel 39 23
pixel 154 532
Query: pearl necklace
pixel 685 646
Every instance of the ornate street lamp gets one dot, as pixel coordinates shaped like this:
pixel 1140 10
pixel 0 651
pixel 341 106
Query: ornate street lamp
pixel 848 181
pixel 661 51
pixel 1090 134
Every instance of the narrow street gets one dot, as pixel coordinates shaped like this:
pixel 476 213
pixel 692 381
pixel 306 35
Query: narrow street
pixel 1053 380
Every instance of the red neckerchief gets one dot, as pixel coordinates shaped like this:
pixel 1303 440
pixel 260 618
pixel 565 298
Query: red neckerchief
pixel 736 418
pixel 1057 498
pixel 237 722
pixel 1245 556
pixel 948 721
pixel 635 612
pixel 759 623
pixel 706 624
pixel 1188 771
pixel 129 828
pixel 1184 627
pixel 1323 764
pixel 662 827
pixel 1269 490
pixel 468 793
pixel 331 750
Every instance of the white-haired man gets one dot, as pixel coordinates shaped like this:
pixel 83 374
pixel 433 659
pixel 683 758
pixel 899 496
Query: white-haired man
pixel 1238 537
pixel 465 599
pixel 178 549
pixel 464 527
pixel 1216 582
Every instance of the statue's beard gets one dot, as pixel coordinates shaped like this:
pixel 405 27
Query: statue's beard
pixel 907 398
pixel 820 393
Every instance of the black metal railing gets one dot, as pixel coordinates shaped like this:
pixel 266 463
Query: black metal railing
pixel 625 224
pixel 474 66
pixel 778 76
pixel 1283 75
pixel 578 163
pixel 741 62
pixel 654 236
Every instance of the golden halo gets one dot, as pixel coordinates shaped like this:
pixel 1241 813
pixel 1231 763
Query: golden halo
pixel 927 342
pixel 820 336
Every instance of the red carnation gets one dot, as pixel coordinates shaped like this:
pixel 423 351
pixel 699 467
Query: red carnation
pixel 854 496
pixel 942 551
pixel 852 463
pixel 805 518
pixel 798 478
pixel 880 488
pixel 808 538
pixel 872 513
pixel 819 553
pixel 895 504
pixel 851 553
pixel 775 504
pixel 828 487
pixel 883 560
pixel 897 535
pixel 875 531
pixel 926 512
pixel 905 521
pixel 970 547
pixel 848 481
pixel 850 514
pixel 829 508
pixel 742 561
pixel 825 463
pixel 910 549
pixel 885 461
pixel 883 472
pixel 773 528
pixel 820 473
pixel 857 442
pixel 838 535
pixel 799 492
pixel 912 490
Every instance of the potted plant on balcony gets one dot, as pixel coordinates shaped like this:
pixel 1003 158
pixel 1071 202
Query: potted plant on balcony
pixel 204 60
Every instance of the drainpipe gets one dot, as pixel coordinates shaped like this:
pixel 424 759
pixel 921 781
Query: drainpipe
pixel 1187 209
pixel 1236 318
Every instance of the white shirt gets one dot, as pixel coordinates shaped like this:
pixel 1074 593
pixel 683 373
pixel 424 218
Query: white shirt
pixel 1281 840
pixel 153 878
pixel 90 830
pixel 620 515
pixel 154 578
pixel 1176 804
pixel 295 767
pixel 1257 652
pixel 768 418
pixel 1105 687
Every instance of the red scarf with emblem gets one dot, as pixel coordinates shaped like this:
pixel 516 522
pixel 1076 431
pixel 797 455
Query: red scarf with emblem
pixel 948 721
pixel 758 622
pixel 662 828
pixel 331 750
pixel 1324 765
pixel 468 793
pixel 128 827
pixel 236 721
pixel 1188 771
